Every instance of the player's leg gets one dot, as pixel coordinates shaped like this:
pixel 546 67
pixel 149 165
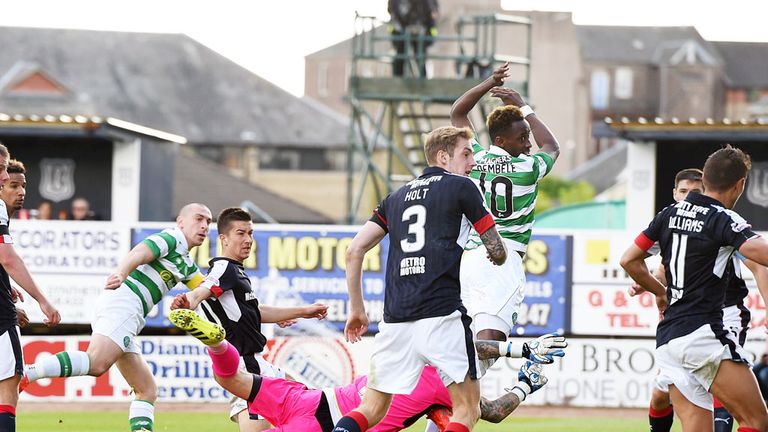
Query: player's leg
pixel 134 368
pixel 102 353
pixel 246 424
pixel 11 368
pixel 660 414
pixel 723 419
pixel 372 409
pixel 736 387
pixel 466 405
pixel 693 417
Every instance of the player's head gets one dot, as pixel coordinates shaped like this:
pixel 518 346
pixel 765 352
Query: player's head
pixel 235 232
pixel 4 156
pixel 725 173
pixel 15 190
pixel 448 148
pixel 510 130
pixel 193 220
pixel 687 180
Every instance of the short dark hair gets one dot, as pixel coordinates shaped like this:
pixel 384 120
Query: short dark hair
pixel 502 118
pixel 724 168
pixel 228 215
pixel 16 167
pixel 690 174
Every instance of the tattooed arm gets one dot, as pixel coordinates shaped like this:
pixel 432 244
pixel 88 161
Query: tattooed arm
pixel 497 252
pixel 495 411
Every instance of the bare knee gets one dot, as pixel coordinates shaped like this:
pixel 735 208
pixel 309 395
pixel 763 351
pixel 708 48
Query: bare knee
pixel 466 414
pixel 659 400
pixel 147 392
pixel 99 366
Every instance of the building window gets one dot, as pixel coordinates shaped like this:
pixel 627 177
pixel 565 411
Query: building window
pixel 623 79
pixel 600 89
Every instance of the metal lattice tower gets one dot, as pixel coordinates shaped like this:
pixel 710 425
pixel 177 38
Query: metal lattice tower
pixel 391 115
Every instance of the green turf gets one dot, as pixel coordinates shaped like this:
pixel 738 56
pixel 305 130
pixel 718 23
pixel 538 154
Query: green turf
pixel 214 422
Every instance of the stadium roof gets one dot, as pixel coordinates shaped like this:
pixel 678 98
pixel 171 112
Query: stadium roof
pixel 168 82
pixel 729 130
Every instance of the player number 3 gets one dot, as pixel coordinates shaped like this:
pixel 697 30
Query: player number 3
pixel 416 242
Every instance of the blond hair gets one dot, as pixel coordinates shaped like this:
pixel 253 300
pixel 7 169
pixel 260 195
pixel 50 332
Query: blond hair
pixel 445 139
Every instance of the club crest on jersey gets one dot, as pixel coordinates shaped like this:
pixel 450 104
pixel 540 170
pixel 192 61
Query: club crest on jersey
pixel 166 276
pixel 57 179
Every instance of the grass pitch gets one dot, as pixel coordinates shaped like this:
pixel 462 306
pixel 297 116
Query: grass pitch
pixel 85 421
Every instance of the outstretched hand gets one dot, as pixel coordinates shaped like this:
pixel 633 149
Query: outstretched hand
pixel 180 302
pixel 357 325
pixel 508 96
pixel 545 348
pixel 500 74
pixel 316 310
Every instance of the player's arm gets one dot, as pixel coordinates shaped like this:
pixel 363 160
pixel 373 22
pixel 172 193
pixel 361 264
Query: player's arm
pixel 544 137
pixel 275 314
pixel 497 252
pixel 530 379
pixel 540 350
pixel 633 262
pixel 140 254
pixel 368 237
pixel 755 249
pixel 761 279
pixel 14 265
pixel 464 104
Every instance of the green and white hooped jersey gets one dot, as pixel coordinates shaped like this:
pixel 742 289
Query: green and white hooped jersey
pixel 509 185
pixel 172 264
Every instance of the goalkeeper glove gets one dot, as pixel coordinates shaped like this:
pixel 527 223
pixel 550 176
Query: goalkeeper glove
pixel 530 379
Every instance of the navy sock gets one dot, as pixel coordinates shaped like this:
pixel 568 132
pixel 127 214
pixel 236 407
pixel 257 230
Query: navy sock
pixel 723 420
pixel 661 421
pixel 352 422
pixel 7 422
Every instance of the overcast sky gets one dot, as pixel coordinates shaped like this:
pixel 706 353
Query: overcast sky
pixel 265 36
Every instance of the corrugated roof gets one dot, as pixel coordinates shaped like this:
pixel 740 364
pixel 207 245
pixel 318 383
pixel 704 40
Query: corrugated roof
pixel 746 63
pixel 729 130
pixel 164 81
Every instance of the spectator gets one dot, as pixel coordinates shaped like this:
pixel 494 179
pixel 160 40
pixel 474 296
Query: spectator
pixel 761 372
pixel 45 210
pixel 81 210
pixel 414 21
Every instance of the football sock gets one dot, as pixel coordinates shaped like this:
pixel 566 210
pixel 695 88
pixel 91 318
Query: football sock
pixel 723 419
pixel 7 418
pixel 226 363
pixel 63 364
pixel 747 429
pixel 141 416
pixel 456 427
pixel 661 420
pixel 352 422
pixel 218 348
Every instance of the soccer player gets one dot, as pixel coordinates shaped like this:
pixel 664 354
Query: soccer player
pixel 141 279
pixel 11 265
pixel 507 174
pixel 735 315
pixel 291 407
pixel 227 298
pixel 12 194
pixel 697 238
pixel 428 221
